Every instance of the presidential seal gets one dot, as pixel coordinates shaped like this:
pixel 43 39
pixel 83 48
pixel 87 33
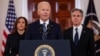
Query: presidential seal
pixel 44 50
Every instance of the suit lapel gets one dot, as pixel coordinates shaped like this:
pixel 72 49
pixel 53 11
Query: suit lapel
pixel 71 35
pixel 82 35
pixel 39 26
pixel 49 27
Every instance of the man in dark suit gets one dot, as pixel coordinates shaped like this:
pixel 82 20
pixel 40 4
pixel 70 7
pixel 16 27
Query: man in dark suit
pixel 81 38
pixel 44 28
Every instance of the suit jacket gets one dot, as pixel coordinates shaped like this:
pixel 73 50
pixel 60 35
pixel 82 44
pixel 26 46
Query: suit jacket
pixel 85 45
pixel 12 44
pixel 34 31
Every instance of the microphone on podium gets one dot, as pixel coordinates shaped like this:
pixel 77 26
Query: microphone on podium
pixel 45 34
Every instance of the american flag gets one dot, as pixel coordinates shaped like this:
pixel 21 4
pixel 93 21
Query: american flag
pixel 9 22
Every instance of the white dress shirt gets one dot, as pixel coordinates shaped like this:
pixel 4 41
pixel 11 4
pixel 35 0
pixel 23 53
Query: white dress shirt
pixel 79 29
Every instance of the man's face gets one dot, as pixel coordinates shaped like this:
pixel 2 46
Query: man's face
pixel 44 11
pixel 76 17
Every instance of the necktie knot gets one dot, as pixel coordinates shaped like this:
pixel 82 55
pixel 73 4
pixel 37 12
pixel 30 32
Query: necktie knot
pixel 44 24
pixel 76 29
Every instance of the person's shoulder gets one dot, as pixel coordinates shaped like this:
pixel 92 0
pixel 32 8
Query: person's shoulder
pixel 33 24
pixel 68 29
pixel 10 36
pixel 54 23
pixel 87 28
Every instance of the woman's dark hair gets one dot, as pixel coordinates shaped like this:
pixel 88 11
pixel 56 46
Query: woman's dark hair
pixel 16 22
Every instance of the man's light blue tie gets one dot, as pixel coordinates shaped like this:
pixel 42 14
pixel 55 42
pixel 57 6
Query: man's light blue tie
pixel 44 34
pixel 76 37
pixel 44 28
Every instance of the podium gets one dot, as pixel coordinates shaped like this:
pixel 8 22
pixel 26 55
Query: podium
pixel 44 48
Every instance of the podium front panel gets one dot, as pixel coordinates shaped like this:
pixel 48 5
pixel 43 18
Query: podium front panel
pixel 44 48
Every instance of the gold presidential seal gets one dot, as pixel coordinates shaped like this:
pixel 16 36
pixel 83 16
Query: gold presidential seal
pixel 44 50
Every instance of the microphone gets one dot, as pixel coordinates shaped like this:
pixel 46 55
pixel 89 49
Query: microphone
pixel 45 34
pixel 49 28
pixel 41 28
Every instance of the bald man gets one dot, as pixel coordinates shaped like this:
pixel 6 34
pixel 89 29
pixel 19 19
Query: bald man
pixel 44 28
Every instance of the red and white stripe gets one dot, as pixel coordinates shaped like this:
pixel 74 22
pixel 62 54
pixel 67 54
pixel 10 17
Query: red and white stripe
pixel 4 39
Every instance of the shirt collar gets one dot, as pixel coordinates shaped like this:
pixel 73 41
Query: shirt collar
pixel 79 27
pixel 46 22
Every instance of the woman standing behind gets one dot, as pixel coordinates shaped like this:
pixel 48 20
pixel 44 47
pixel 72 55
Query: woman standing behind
pixel 18 33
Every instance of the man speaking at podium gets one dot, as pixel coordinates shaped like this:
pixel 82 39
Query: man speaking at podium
pixel 44 28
